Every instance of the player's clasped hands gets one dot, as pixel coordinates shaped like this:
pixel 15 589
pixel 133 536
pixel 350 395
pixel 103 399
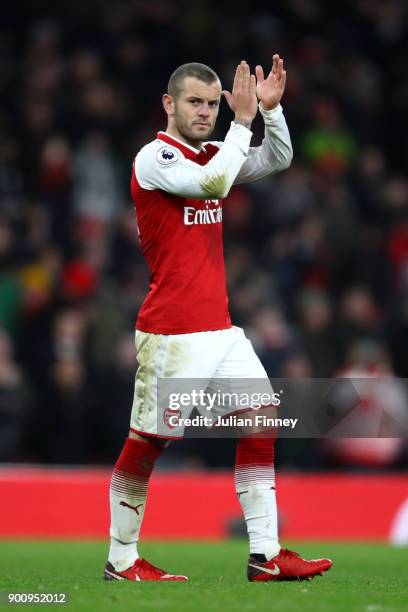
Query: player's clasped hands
pixel 247 89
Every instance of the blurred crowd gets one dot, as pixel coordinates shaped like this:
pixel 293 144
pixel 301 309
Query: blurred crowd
pixel 316 257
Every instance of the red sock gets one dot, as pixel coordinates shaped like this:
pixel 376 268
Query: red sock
pixel 254 462
pixel 134 466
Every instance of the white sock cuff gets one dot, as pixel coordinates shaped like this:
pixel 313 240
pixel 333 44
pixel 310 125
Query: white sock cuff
pixel 122 555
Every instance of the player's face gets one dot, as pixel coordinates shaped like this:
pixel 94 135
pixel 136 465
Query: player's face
pixel 196 109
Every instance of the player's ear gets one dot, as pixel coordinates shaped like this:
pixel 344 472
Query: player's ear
pixel 168 104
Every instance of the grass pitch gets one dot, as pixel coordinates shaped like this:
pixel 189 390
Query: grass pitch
pixel 365 578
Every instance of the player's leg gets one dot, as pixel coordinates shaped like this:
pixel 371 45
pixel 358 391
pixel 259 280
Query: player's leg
pixel 133 469
pixel 241 371
pixel 128 492
pixel 255 487
pixel 255 479
pixel 174 358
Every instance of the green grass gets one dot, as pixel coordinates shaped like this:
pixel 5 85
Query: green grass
pixel 365 578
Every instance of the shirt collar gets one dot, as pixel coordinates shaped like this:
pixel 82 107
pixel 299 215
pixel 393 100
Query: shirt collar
pixel 187 150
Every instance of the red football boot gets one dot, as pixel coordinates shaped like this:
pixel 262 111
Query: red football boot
pixel 140 570
pixel 287 565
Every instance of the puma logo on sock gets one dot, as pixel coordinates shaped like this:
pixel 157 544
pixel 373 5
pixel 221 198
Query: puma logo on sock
pixel 135 508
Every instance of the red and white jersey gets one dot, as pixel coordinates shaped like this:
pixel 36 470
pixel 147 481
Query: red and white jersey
pixel 177 191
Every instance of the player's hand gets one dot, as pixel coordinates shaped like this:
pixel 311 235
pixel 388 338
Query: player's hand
pixel 243 101
pixel 270 90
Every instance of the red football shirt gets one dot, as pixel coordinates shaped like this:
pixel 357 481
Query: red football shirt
pixel 181 239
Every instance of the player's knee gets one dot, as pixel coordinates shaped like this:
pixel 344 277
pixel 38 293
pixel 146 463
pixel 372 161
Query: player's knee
pixel 142 438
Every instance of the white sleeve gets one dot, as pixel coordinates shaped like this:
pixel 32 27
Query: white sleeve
pixel 274 154
pixel 166 168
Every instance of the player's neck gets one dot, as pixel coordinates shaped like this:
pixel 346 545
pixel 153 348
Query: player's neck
pixel 173 131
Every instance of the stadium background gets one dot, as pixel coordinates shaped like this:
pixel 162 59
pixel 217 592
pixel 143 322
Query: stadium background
pixel 316 258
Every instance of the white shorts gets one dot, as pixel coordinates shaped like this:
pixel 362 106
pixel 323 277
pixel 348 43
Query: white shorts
pixel 202 358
